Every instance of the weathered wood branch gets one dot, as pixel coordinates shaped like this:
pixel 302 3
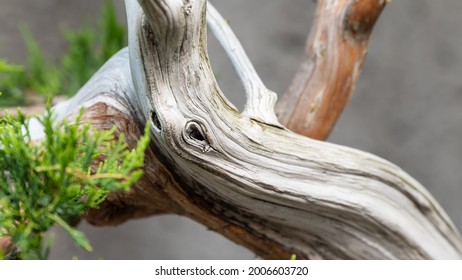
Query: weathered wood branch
pixel 334 55
pixel 260 100
pixel 261 185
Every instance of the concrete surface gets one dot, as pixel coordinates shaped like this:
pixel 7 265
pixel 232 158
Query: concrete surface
pixel 407 107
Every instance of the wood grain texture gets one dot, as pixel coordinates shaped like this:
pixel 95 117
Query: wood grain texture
pixel 317 199
pixel 276 192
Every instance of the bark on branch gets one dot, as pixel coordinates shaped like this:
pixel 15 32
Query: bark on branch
pixel 334 55
pixel 267 188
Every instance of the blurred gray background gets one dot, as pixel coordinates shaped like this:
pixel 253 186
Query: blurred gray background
pixel 407 107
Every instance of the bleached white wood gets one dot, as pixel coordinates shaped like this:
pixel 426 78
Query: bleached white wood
pixel 260 100
pixel 325 200
pixel 112 85
pixel 315 199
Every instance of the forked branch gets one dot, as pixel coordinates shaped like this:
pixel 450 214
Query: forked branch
pixel 264 187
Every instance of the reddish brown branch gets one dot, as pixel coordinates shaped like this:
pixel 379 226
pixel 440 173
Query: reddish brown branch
pixel 335 52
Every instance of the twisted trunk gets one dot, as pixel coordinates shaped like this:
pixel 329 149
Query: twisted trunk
pixel 244 174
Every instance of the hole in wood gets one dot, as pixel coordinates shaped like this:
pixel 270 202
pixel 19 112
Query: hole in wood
pixel 155 120
pixel 195 132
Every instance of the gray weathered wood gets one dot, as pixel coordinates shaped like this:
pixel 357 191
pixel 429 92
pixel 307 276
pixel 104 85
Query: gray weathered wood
pixel 243 174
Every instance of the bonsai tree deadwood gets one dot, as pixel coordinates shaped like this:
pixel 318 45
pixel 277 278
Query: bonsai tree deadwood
pixel 245 175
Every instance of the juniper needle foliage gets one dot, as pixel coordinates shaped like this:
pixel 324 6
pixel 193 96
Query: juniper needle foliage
pixel 55 180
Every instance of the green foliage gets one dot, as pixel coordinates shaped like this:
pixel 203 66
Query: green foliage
pixel 10 75
pixel 9 68
pixel 113 33
pixel 54 182
pixel 40 76
pixel 81 59
pixel 87 50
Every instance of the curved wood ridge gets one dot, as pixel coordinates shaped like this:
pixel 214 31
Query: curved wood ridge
pixel 244 175
pixel 315 199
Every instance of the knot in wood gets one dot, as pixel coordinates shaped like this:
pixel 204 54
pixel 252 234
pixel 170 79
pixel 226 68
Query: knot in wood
pixel 195 134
